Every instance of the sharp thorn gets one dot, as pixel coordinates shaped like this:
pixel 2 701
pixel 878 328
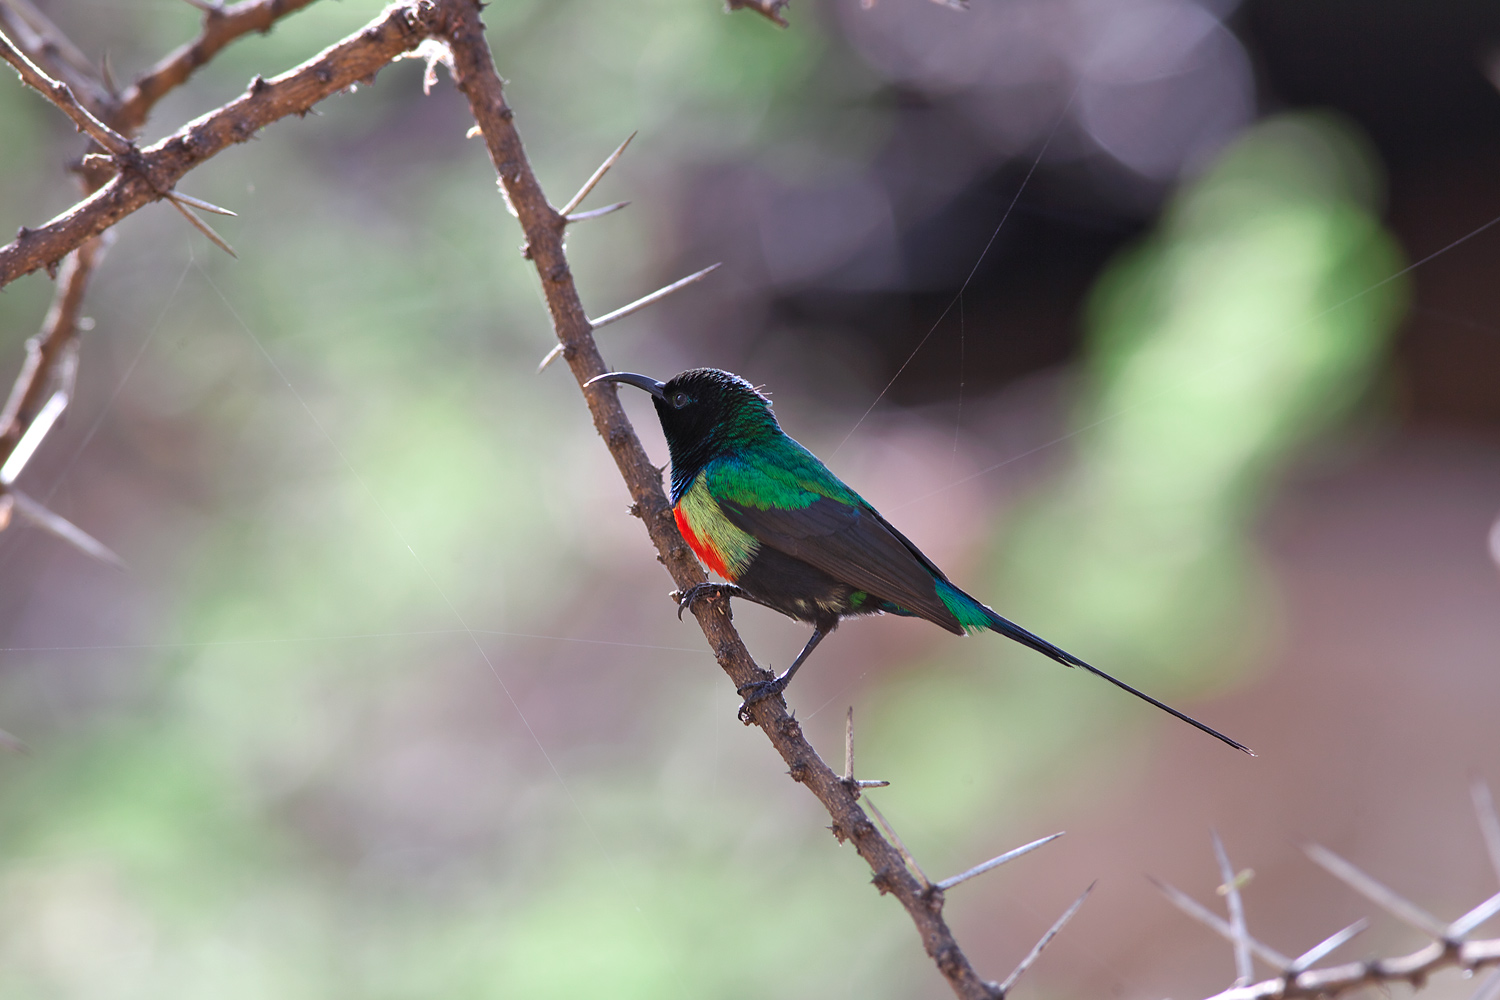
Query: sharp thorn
pixel 63 528
pixel 911 862
pixel 1489 822
pixel 1052 932
pixel 200 225
pixel 1311 956
pixel 199 203
pixel 996 862
pixel 36 432
pixel 849 745
pixel 552 356
pixel 598 175
pixel 1466 923
pixel 1218 924
pixel 596 213
pixel 653 298
pixel 1231 889
pixel 1375 892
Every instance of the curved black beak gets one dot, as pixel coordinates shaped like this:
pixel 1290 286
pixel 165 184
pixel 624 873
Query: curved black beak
pixel 630 378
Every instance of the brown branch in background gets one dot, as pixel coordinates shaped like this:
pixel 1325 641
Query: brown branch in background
pixel 221 25
pixel 768 9
pixel 44 44
pixel 544 225
pixel 49 347
pixel 61 94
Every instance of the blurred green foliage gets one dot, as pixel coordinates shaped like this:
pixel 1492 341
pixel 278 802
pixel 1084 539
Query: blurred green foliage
pixel 1253 317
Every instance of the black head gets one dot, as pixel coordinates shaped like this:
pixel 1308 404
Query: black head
pixel 704 412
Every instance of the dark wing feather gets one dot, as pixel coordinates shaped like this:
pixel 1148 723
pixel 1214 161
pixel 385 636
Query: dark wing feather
pixel 852 544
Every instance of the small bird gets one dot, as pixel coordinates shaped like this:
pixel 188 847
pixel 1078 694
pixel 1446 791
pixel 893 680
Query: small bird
pixel 765 514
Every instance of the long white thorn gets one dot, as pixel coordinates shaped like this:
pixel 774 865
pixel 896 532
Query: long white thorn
pixel 1052 932
pixel 997 861
pixel 597 213
pixel 198 224
pixel 1489 822
pixel 588 185
pixel 1187 904
pixel 1311 956
pixel 633 308
pixel 1231 890
pixel 1375 892
pixel 206 206
pixel 63 528
pixel 900 846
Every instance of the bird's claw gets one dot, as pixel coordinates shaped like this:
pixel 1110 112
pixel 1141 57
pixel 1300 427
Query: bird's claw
pixel 686 599
pixel 759 691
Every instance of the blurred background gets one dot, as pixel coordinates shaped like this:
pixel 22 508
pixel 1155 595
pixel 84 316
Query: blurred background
pixel 1103 303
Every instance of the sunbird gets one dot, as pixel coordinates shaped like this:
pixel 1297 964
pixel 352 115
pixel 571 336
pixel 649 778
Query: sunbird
pixel 765 514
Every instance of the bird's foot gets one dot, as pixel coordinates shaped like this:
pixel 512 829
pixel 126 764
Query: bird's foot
pixel 712 591
pixel 759 691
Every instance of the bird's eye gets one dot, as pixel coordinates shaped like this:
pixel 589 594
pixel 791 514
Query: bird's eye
pixel 680 399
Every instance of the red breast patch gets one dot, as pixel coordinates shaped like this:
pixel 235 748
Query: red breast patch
pixel 705 551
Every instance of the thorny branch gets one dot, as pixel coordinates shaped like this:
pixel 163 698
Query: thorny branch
pixel 132 178
pixel 1450 947
pixel 544 226
pixel 48 60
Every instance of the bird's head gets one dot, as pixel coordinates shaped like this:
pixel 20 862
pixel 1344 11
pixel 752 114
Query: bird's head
pixel 704 412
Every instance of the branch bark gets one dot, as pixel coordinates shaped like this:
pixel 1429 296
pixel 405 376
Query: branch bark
pixel 544 226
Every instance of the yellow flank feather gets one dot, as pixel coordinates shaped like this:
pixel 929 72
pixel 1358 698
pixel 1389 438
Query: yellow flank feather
pixel 730 547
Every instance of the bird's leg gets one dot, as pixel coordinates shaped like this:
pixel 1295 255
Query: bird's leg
pixel 753 693
pixel 699 591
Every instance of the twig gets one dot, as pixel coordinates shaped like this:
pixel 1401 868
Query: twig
pixel 44 44
pixel 48 347
pixel 1297 979
pixel 477 79
pixel 61 94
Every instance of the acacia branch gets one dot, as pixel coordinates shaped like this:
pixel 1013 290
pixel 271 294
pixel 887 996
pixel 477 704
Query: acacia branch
pixel 44 44
pixel 159 167
pixel 543 226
